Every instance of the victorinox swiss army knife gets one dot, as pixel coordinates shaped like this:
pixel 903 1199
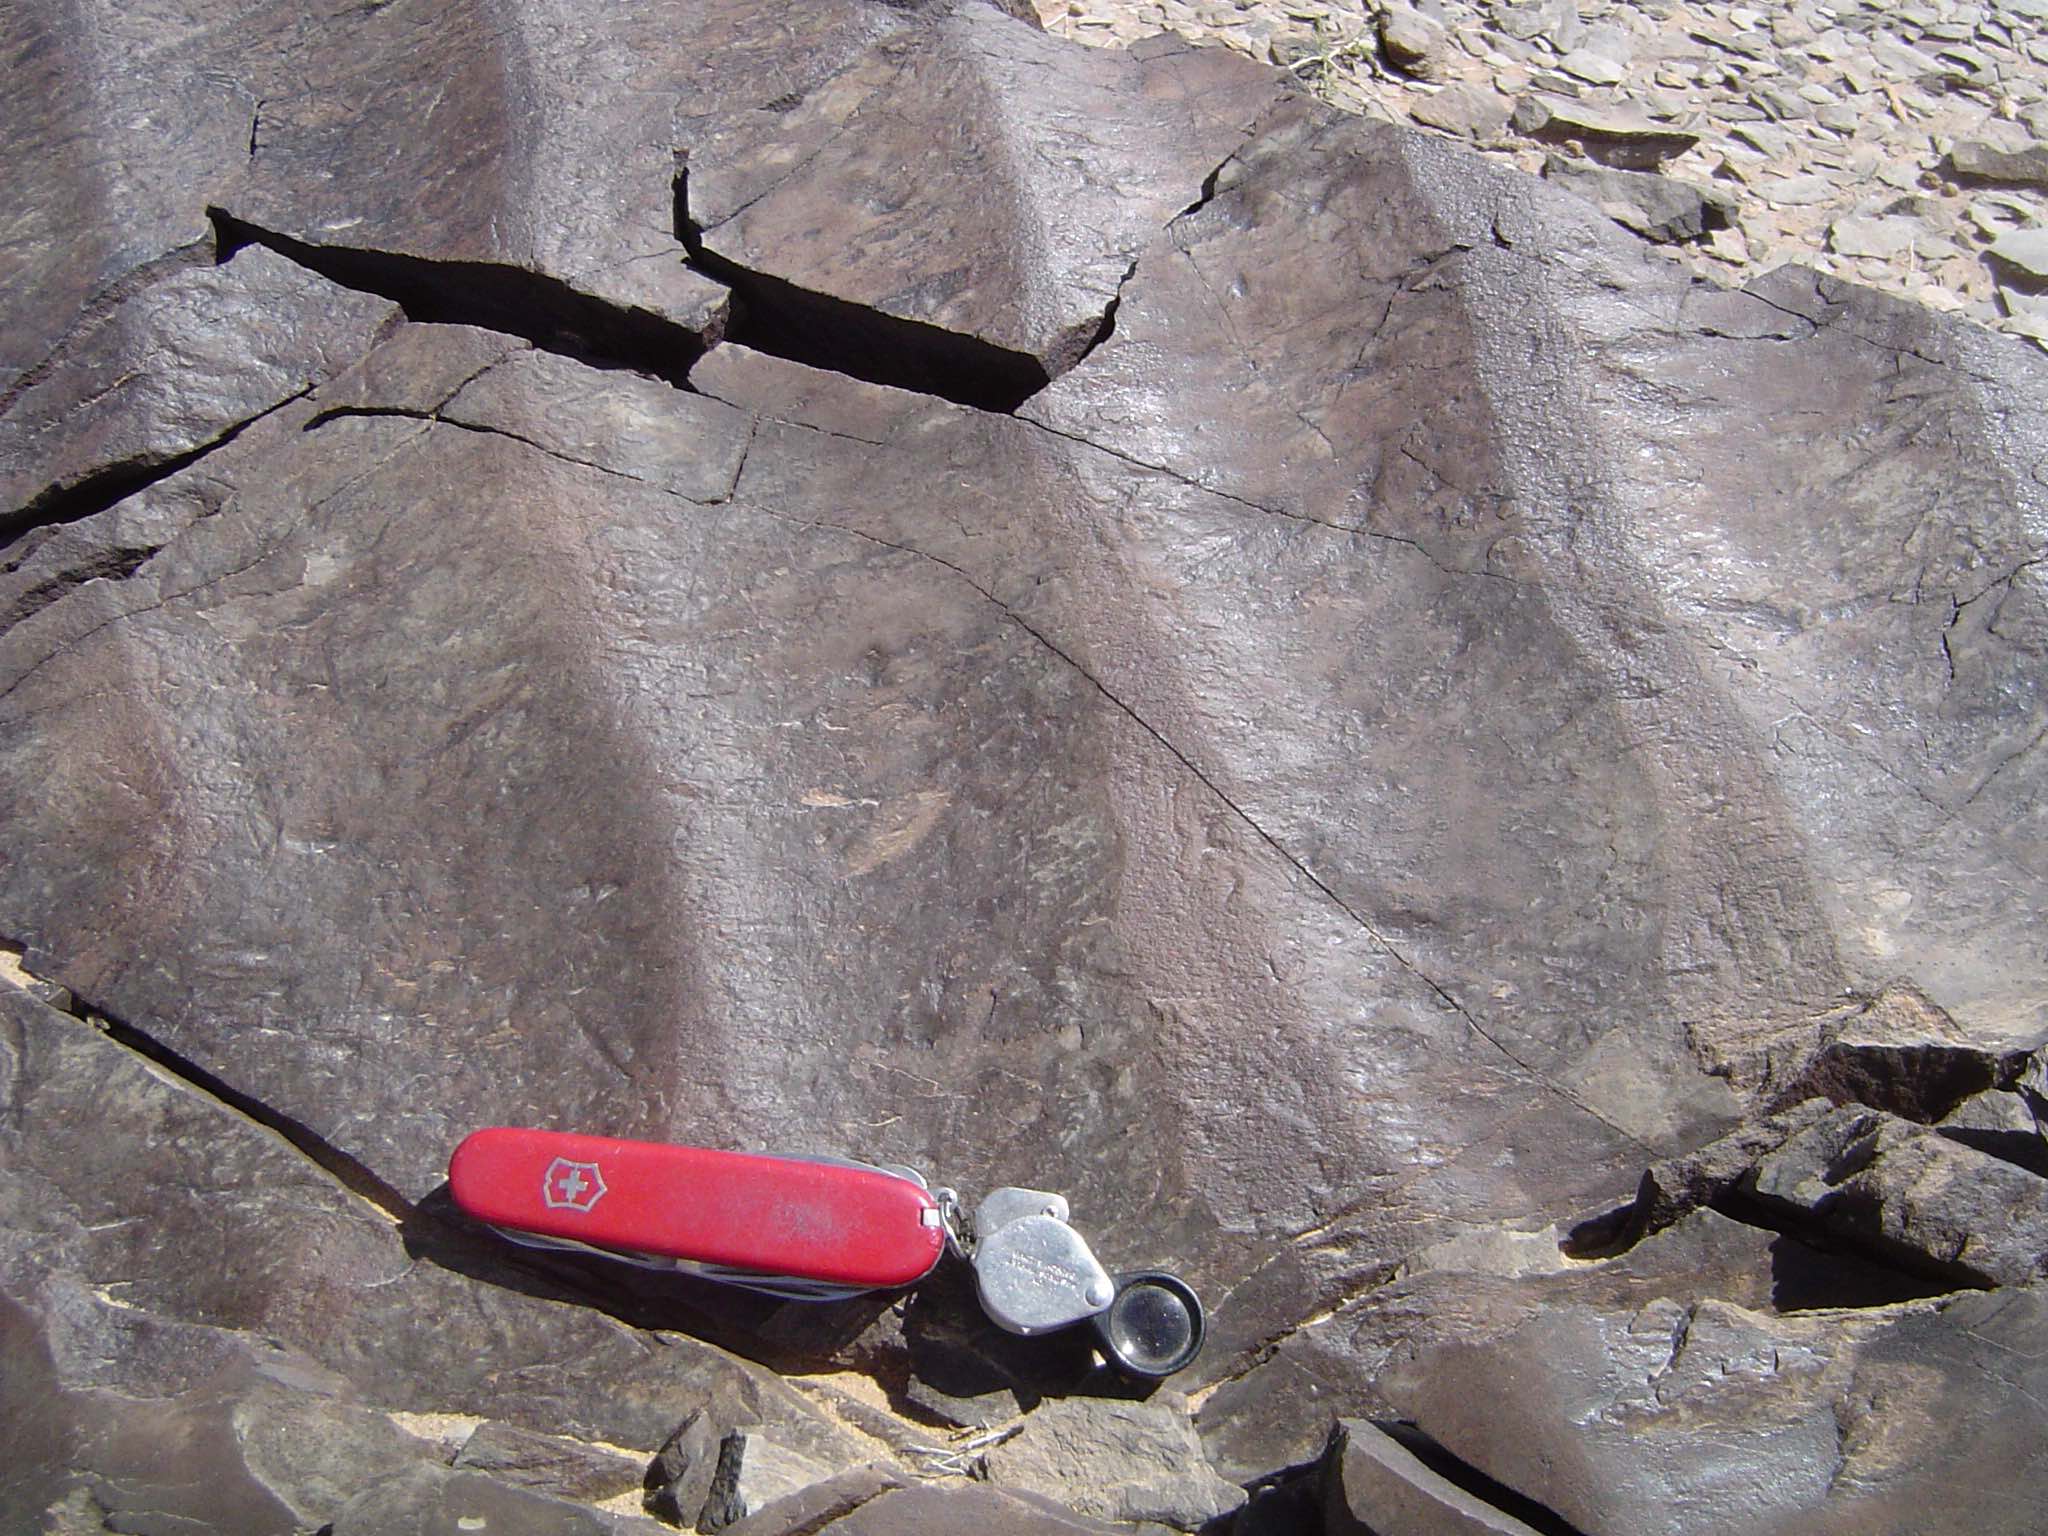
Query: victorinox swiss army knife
pixel 817 1229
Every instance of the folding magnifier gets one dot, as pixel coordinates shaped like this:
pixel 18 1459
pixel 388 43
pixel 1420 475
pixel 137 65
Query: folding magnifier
pixel 818 1229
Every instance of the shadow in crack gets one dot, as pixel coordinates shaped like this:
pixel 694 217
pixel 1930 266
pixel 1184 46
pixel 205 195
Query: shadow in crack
pixel 536 305
pixel 1441 1460
pixel 1805 1278
pixel 776 316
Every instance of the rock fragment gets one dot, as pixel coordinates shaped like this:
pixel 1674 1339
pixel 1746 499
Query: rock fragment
pixel 1593 68
pixel 820 1506
pixel 1978 160
pixel 2003 1124
pixel 1903 1055
pixel 437 1500
pixel 2024 250
pixel 1471 111
pixel 932 1510
pixel 573 1470
pixel 1673 1189
pixel 1660 208
pixel 1881 237
pixel 1799 191
pixel 754 1470
pixel 678 1480
pixel 1618 139
pixel 1115 1460
pixel 1376 1486
pixel 1411 42
pixel 1909 1193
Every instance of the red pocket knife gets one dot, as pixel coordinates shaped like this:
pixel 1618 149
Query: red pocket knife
pixel 817 1229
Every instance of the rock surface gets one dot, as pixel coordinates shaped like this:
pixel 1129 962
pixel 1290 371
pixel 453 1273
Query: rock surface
pixel 1907 1190
pixel 1378 1487
pixel 858 578
pixel 1116 1461
pixel 565 1469
pixel 1805 116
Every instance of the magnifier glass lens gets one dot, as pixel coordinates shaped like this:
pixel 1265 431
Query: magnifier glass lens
pixel 1154 1327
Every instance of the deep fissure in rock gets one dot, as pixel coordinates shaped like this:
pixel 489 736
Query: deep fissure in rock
pixel 1107 328
pixel 115 483
pixel 350 1171
pixel 109 565
pixel 800 325
pixel 1815 1263
pixel 541 309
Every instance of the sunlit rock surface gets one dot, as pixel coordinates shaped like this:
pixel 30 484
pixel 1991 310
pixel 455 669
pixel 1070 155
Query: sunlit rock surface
pixel 854 578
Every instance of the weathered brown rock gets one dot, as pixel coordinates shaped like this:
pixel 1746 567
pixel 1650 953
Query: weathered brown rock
pixel 940 1511
pixel 110 188
pixel 434 1501
pixel 958 179
pixel 1624 140
pixel 1676 1187
pixel 549 1464
pixel 175 1426
pixel 1375 1486
pixel 173 371
pixel 1908 1190
pixel 1897 1052
pixel 1114 1460
pixel 152 1234
pixel 1659 208
pixel 1787 1424
pixel 1397 739
pixel 1473 111
pixel 817 1506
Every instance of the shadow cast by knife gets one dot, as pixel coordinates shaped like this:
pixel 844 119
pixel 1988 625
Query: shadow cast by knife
pixel 780 1334
pixel 932 1348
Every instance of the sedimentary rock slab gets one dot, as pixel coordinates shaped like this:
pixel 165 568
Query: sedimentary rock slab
pixel 977 177
pixel 1377 1485
pixel 1433 714
pixel 1907 1190
pixel 173 371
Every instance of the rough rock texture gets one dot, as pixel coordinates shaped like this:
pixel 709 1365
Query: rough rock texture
pixel 226 1257
pixel 568 1469
pixel 1429 715
pixel 170 373
pixel 1116 1461
pixel 1904 1189
pixel 1659 208
pixel 1376 1486
pixel 432 1501
pixel 942 1512
pixel 1814 121
pixel 990 184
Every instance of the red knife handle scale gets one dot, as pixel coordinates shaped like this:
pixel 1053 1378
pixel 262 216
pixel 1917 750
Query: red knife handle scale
pixel 780 1216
